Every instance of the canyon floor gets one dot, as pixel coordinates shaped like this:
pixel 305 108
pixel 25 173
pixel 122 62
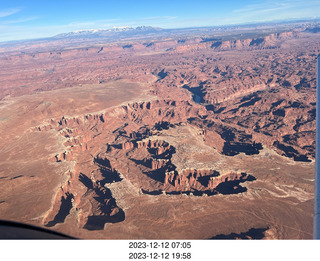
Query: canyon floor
pixel 197 135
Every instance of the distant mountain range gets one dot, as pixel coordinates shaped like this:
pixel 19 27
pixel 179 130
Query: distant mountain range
pixel 127 34
pixel 109 32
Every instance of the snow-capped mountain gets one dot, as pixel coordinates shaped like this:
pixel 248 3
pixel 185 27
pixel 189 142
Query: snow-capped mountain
pixel 105 32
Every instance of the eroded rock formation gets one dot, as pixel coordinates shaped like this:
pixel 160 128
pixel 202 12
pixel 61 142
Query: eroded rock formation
pixel 156 121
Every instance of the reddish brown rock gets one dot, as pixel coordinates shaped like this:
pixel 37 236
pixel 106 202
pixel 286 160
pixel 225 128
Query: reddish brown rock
pixel 89 130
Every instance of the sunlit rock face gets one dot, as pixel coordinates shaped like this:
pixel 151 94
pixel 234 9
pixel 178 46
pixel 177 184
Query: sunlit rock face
pixel 194 135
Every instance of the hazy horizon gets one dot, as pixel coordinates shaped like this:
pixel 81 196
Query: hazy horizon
pixel 23 20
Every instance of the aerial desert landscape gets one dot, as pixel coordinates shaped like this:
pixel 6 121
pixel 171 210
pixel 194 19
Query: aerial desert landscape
pixel 150 133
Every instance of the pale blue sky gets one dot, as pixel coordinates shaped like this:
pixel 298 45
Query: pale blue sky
pixel 25 19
